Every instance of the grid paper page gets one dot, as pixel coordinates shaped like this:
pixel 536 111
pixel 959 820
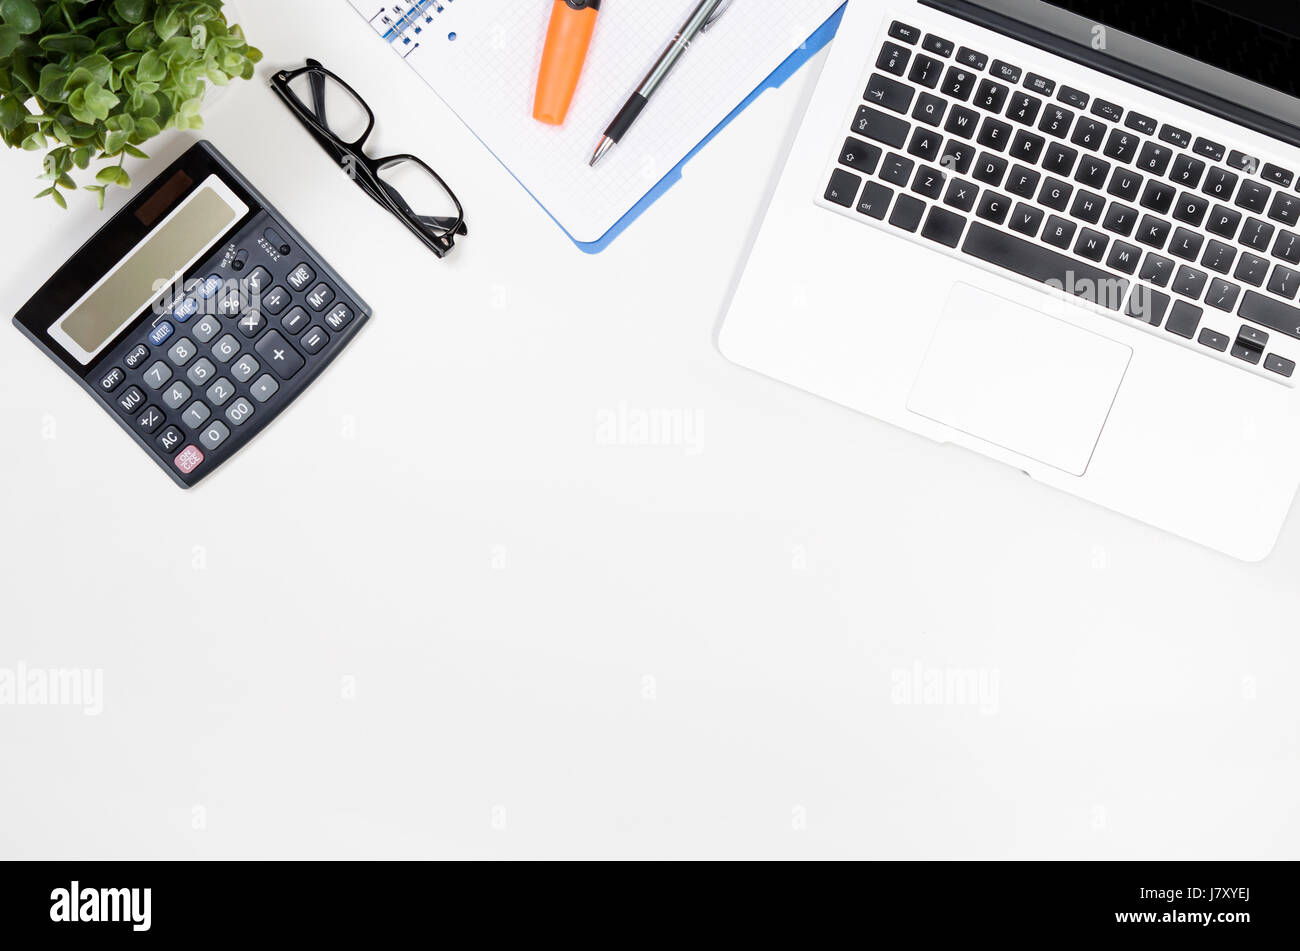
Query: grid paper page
pixel 487 74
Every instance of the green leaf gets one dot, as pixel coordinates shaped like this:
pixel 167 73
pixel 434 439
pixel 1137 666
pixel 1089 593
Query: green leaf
pixel 151 68
pixel 22 15
pixel 132 11
pixel 12 113
pixel 9 39
pixel 60 201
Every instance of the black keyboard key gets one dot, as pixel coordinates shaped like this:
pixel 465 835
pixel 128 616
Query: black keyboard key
pixel 881 126
pixel 1041 264
pixel 843 188
pixel 1220 183
pixel 896 169
pixel 893 58
pixel 1154 159
pixel 925 144
pixel 907 213
pixel 1121 145
pixel 929 109
pixel 1125 184
pixel 959 83
pixel 1023 181
pixel 1087 206
pixel 1005 71
pixel 875 200
pixel 1153 232
pixel 1253 196
pixel 1124 257
pixel 1140 123
pixel 1243 162
pixel 1287 247
pixel 1222 295
pixel 961 194
pixel 991 96
pixel 1277 175
pixel 993 207
pixel 1026 219
pixel 1279 365
pixel 1210 150
pixel 944 227
pixel 1120 219
pixel 1223 221
pixel 1059 159
pixel 962 122
pixel 860 155
pixel 1285 208
pixel 1156 269
pixel 1215 341
pixel 1251 269
pixel 1256 233
pixel 1189 282
pixel 1147 305
pixel 1191 208
pixel 902 31
pixel 1091 244
pixel 929 182
pixel 1107 110
pixel 1186 244
pixel 1252 337
pixel 1159 196
pixel 1269 313
pixel 1092 172
pixel 994 134
pixel 1248 354
pixel 1055 194
pixel 926 71
pixel 1187 171
pixel 937 45
pixel 1073 97
pixel 1176 136
pixel 1184 319
pixel 957 156
pixel 1089 134
pixel 972 59
pixel 1218 256
pixel 1284 282
pixel 893 95
pixel 1059 231
pixel 1024 108
pixel 1040 84
pixel 1027 147
pixel 1056 121
pixel 990 169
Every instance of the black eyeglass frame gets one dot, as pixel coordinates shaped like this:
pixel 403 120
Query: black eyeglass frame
pixel 437 233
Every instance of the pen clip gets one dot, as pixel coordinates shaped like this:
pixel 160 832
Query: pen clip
pixel 715 15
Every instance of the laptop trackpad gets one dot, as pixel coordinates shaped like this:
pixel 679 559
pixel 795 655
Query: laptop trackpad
pixel 1020 379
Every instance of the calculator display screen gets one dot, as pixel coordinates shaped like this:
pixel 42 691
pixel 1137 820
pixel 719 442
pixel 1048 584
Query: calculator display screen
pixel 181 239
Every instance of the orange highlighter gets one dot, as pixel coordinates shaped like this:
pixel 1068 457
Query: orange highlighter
pixel 567 41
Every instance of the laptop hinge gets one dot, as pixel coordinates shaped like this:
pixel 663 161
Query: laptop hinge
pixel 1119 69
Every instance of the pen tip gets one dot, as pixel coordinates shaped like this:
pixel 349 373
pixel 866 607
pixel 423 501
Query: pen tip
pixel 606 144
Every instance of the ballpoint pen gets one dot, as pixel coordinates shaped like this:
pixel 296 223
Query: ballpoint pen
pixel 705 15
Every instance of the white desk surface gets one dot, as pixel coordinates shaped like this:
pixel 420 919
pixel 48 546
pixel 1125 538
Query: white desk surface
pixel 453 604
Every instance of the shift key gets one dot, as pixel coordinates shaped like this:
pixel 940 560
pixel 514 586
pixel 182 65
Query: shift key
pixel 1269 313
pixel 874 124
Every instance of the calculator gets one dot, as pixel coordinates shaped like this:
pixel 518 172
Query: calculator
pixel 195 316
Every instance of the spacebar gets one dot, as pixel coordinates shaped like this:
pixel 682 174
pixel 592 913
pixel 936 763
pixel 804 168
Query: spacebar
pixel 1045 265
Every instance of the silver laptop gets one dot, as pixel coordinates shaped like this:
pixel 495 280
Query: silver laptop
pixel 1061 233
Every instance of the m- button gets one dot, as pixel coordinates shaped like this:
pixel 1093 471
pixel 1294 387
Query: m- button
pixel 282 357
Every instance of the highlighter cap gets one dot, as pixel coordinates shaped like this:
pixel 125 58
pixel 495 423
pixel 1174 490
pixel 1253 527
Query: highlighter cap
pixel 567 41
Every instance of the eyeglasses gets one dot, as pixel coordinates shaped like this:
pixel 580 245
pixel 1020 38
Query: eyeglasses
pixel 341 122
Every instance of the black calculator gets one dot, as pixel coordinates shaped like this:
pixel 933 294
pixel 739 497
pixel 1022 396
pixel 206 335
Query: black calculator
pixel 195 316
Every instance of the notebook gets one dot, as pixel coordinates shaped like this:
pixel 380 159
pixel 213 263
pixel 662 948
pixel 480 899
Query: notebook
pixel 482 56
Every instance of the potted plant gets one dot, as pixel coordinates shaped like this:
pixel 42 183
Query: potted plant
pixel 93 80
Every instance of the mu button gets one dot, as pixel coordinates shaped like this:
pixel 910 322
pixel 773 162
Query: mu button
pixel 280 354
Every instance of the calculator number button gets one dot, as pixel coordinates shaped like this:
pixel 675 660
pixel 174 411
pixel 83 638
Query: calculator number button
pixel 240 411
pixel 244 368
pixel 226 348
pixel 170 439
pixel 112 380
pixel 176 395
pixel 206 329
pixel 302 276
pixel 139 353
pixel 339 317
pixel 151 420
pixel 201 372
pixel 320 297
pixel 189 459
pixel 256 282
pixel 314 339
pixel 265 388
pixel 280 355
pixel 219 393
pixel 158 336
pixel 275 300
pixel 130 401
pixel 182 351
pixel 196 415
pixel 157 375
pixel 215 434
pixel 251 323
pixel 295 321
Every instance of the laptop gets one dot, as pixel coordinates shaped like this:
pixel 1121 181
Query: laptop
pixel 1064 234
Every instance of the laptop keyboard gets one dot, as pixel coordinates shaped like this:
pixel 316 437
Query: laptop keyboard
pixel 1049 182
